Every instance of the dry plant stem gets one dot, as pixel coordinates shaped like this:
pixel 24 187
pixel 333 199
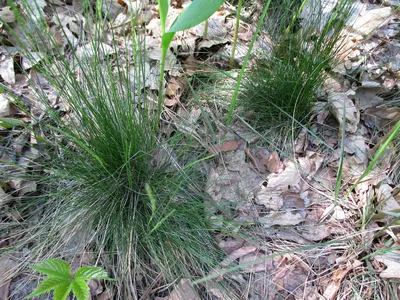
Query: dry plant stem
pixel 246 59
pixel 235 36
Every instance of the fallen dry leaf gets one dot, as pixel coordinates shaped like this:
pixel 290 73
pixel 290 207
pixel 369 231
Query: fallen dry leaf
pixel 7 70
pixel 372 20
pixel 311 163
pixel 231 244
pixel 271 161
pixel 6 265
pixel 5 108
pixel 7 15
pixel 281 218
pixel 337 277
pixel 290 276
pixel 237 254
pixel 392 262
pixel 366 94
pixel 338 104
pixel 270 199
pixel 184 291
pixel 255 161
pixel 265 265
pixel 382 118
pixel 227 146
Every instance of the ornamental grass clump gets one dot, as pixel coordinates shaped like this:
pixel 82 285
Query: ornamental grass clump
pixel 280 89
pixel 109 183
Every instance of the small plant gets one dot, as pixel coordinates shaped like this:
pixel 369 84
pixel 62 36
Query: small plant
pixel 281 86
pixel 61 280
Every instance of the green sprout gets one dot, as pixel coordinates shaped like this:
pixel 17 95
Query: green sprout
pixel 61 280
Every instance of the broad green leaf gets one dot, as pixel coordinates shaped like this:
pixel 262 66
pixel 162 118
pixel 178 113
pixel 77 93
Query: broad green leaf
pixel 62 291
pixel 46 285
pixel 87 273
pixel 197 12
pixel 166 40
pixel 163 9
pixel 80 289
pixel 56 268
pixel 10 122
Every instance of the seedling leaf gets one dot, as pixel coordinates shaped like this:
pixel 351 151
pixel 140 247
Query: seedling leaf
pixel 62 291
pixel 87 273
pixel 55 268
pixel 80 289
pixel 197 12
pixel 46 285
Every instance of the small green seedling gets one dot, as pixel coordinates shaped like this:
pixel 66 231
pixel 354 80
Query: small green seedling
pixel 197 12
pixel 61 280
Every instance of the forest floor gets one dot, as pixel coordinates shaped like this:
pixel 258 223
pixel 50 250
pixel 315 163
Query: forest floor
pixel 312 244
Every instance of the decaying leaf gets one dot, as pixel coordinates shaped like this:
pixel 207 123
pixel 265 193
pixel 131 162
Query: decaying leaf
pixel 270 199
pixel 336 280
pixel 270 160
pixel 7 70
pixel 227 146
pixel 339 103
pixel 382 118
pixel 281 218
pixel 366 94
pixel 288 180
pixel 6 265
pixel 311 163
pixel 183 291
pixel 392 262
pixel 5 109
pixel 266 265
pixel 237 254
pixel 7 15
pixel 372 20
pixel 87 51
pixel 234 179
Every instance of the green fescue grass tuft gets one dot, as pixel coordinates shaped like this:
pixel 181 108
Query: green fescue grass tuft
pixel 281 85
pixel 109 183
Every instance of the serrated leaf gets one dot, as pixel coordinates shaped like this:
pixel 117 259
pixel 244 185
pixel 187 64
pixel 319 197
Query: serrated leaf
pixel 10 122
pixel 87 273
pixel 197 12
pixel 56 268
pixel 62 291
pixel 46 285
pixel 80 289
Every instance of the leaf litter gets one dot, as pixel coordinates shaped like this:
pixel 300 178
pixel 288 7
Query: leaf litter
pixel 285 198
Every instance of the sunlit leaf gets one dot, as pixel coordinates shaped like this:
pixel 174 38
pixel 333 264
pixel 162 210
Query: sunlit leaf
pixel 47 285
pixel 80 289
pixel 62 291
pixel 197 12
pixel 56 268
pixel 87 273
